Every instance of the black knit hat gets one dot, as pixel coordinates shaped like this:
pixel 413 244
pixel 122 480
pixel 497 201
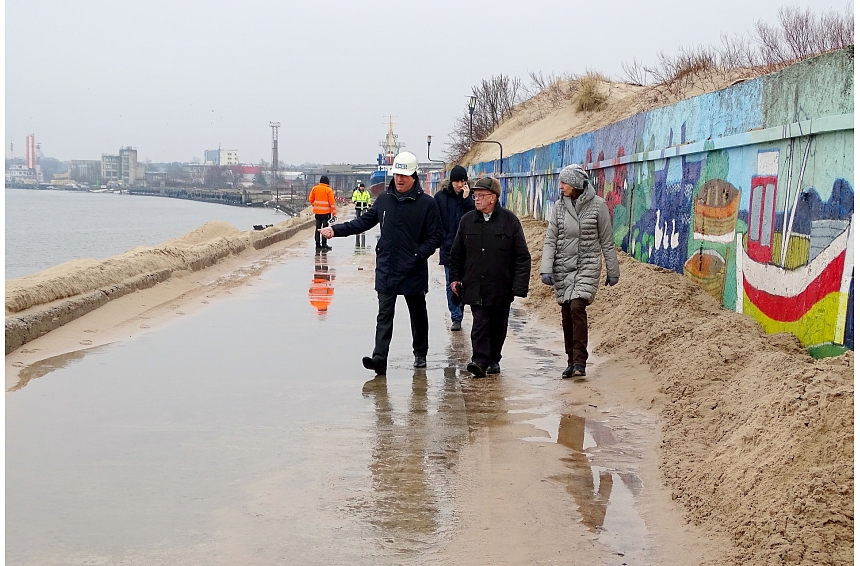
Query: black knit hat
pixel 458 173
pixel 324 180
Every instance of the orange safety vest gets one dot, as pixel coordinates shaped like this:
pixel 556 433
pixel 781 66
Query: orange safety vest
pixel 322 199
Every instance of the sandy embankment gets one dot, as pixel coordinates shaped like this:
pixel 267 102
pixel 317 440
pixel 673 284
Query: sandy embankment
pixel 757 436
pixel 42 302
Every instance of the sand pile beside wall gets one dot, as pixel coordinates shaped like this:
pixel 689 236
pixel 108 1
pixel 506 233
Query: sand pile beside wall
pixel 758 437
pixel 35 303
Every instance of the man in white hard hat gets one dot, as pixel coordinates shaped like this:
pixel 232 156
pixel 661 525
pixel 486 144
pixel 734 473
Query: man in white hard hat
pixel 410 232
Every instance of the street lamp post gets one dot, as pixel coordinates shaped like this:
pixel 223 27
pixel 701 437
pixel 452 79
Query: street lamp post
pixel 429 138
pixel 473 102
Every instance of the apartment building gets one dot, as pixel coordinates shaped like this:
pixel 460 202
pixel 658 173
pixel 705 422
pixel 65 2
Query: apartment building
pixel 122 168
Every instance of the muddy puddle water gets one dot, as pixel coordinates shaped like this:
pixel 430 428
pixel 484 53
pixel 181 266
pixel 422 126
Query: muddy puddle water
pixel 249 433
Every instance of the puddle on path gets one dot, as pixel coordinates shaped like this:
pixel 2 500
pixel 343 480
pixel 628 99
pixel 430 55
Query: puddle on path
pixel 602 480
pixel 246 433
pixel 249 433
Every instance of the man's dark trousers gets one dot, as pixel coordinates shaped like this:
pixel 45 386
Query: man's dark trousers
pixel 489 328
pixel 322 222
pixel 385 324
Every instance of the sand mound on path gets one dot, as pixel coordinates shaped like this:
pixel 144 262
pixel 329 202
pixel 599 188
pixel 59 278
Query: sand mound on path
pixel 197 249
pixel 758 437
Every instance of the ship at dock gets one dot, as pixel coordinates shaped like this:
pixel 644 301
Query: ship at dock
pixel 390 148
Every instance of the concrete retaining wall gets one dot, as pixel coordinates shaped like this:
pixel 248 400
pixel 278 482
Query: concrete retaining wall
pixel 21 329
pixel 712 186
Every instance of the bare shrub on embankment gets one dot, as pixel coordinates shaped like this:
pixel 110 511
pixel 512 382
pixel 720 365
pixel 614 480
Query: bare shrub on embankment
pixel 496 98
pixel 800 34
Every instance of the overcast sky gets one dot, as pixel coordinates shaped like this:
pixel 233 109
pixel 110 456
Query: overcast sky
pixel 173 78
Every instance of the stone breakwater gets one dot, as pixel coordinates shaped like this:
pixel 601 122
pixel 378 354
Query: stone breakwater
pixel 39 303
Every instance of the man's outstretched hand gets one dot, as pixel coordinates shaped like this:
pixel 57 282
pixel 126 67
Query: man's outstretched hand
pixel 326 232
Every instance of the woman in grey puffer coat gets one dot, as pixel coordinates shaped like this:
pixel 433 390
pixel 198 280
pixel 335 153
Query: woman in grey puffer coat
pixel 578 237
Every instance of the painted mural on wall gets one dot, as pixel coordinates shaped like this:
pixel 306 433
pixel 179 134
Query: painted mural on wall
pixel 730 190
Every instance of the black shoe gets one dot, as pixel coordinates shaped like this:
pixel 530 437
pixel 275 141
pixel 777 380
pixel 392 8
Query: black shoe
pixel 493 369
pixel 578 371
pixel 318 247
pixel 476 369
pixel 420 362
pixel 456 325
pixel 374 364
pixel 567 372
pixel 327 248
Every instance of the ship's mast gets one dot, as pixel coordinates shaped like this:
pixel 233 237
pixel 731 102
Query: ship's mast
pixel 390 145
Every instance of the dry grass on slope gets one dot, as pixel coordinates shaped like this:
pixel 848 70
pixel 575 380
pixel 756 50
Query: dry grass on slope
pixel 758 437
pixel 568 108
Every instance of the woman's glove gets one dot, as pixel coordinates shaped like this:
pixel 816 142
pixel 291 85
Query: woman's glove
pixel 546 278
pixel 610 281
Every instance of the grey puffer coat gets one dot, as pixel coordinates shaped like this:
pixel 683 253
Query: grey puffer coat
pixel 578 237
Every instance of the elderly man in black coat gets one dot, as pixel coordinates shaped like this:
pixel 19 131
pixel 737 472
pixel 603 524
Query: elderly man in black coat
pixel 490 265
pixel 410 232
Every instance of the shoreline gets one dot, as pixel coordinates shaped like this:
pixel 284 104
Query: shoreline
pixel 42 302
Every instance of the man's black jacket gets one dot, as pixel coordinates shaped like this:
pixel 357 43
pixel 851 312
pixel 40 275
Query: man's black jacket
pixel 410 231
pixel 452 207
pixel 491 258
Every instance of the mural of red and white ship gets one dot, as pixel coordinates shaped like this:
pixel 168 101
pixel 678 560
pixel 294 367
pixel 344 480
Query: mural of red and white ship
pixel 801 283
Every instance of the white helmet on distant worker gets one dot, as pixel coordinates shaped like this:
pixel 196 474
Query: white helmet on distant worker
pixel 404 164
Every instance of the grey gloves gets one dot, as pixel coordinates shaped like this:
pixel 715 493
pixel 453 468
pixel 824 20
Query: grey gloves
pixel 610 281
pixel 546 278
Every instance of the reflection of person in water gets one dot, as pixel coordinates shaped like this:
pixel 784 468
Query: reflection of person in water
pixel 580 484
pixel 321 292
pixel 403 499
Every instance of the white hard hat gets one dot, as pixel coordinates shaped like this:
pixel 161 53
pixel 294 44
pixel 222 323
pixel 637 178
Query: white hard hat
pixel 404 164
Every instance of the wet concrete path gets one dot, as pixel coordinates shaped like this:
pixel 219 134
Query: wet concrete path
pixel 249 433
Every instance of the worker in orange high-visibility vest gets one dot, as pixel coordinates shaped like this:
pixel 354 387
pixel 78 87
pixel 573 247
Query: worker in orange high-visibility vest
pixel 321 198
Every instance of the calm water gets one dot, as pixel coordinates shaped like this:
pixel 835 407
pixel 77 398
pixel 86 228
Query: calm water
pixel 47 228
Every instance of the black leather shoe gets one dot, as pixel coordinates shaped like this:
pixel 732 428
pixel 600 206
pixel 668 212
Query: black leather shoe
pixel 567 373
pixel 456 325
pixel 578 371
pixel 493 369
pixel 476 369
pixel 420 362
pixel 376 365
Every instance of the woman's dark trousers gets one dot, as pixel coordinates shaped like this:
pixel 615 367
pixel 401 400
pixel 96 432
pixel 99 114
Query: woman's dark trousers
pixel 574 322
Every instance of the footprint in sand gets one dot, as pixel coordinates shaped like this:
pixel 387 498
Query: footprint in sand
pixel 18 364
pixel 91 331
pixel 144 326
pixel 179 312
pixel 86 342
pixel 25 351
pixel 205 302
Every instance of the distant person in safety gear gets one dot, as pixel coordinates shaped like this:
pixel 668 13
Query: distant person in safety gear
pixel 578 238
pixel 360 199
pixel 410 232
pixel 490 265
pixel 321 198
pixel 454 201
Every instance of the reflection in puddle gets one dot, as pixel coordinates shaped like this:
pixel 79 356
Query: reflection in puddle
pixel 46 366
pixel 321 292
pixel 604 495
